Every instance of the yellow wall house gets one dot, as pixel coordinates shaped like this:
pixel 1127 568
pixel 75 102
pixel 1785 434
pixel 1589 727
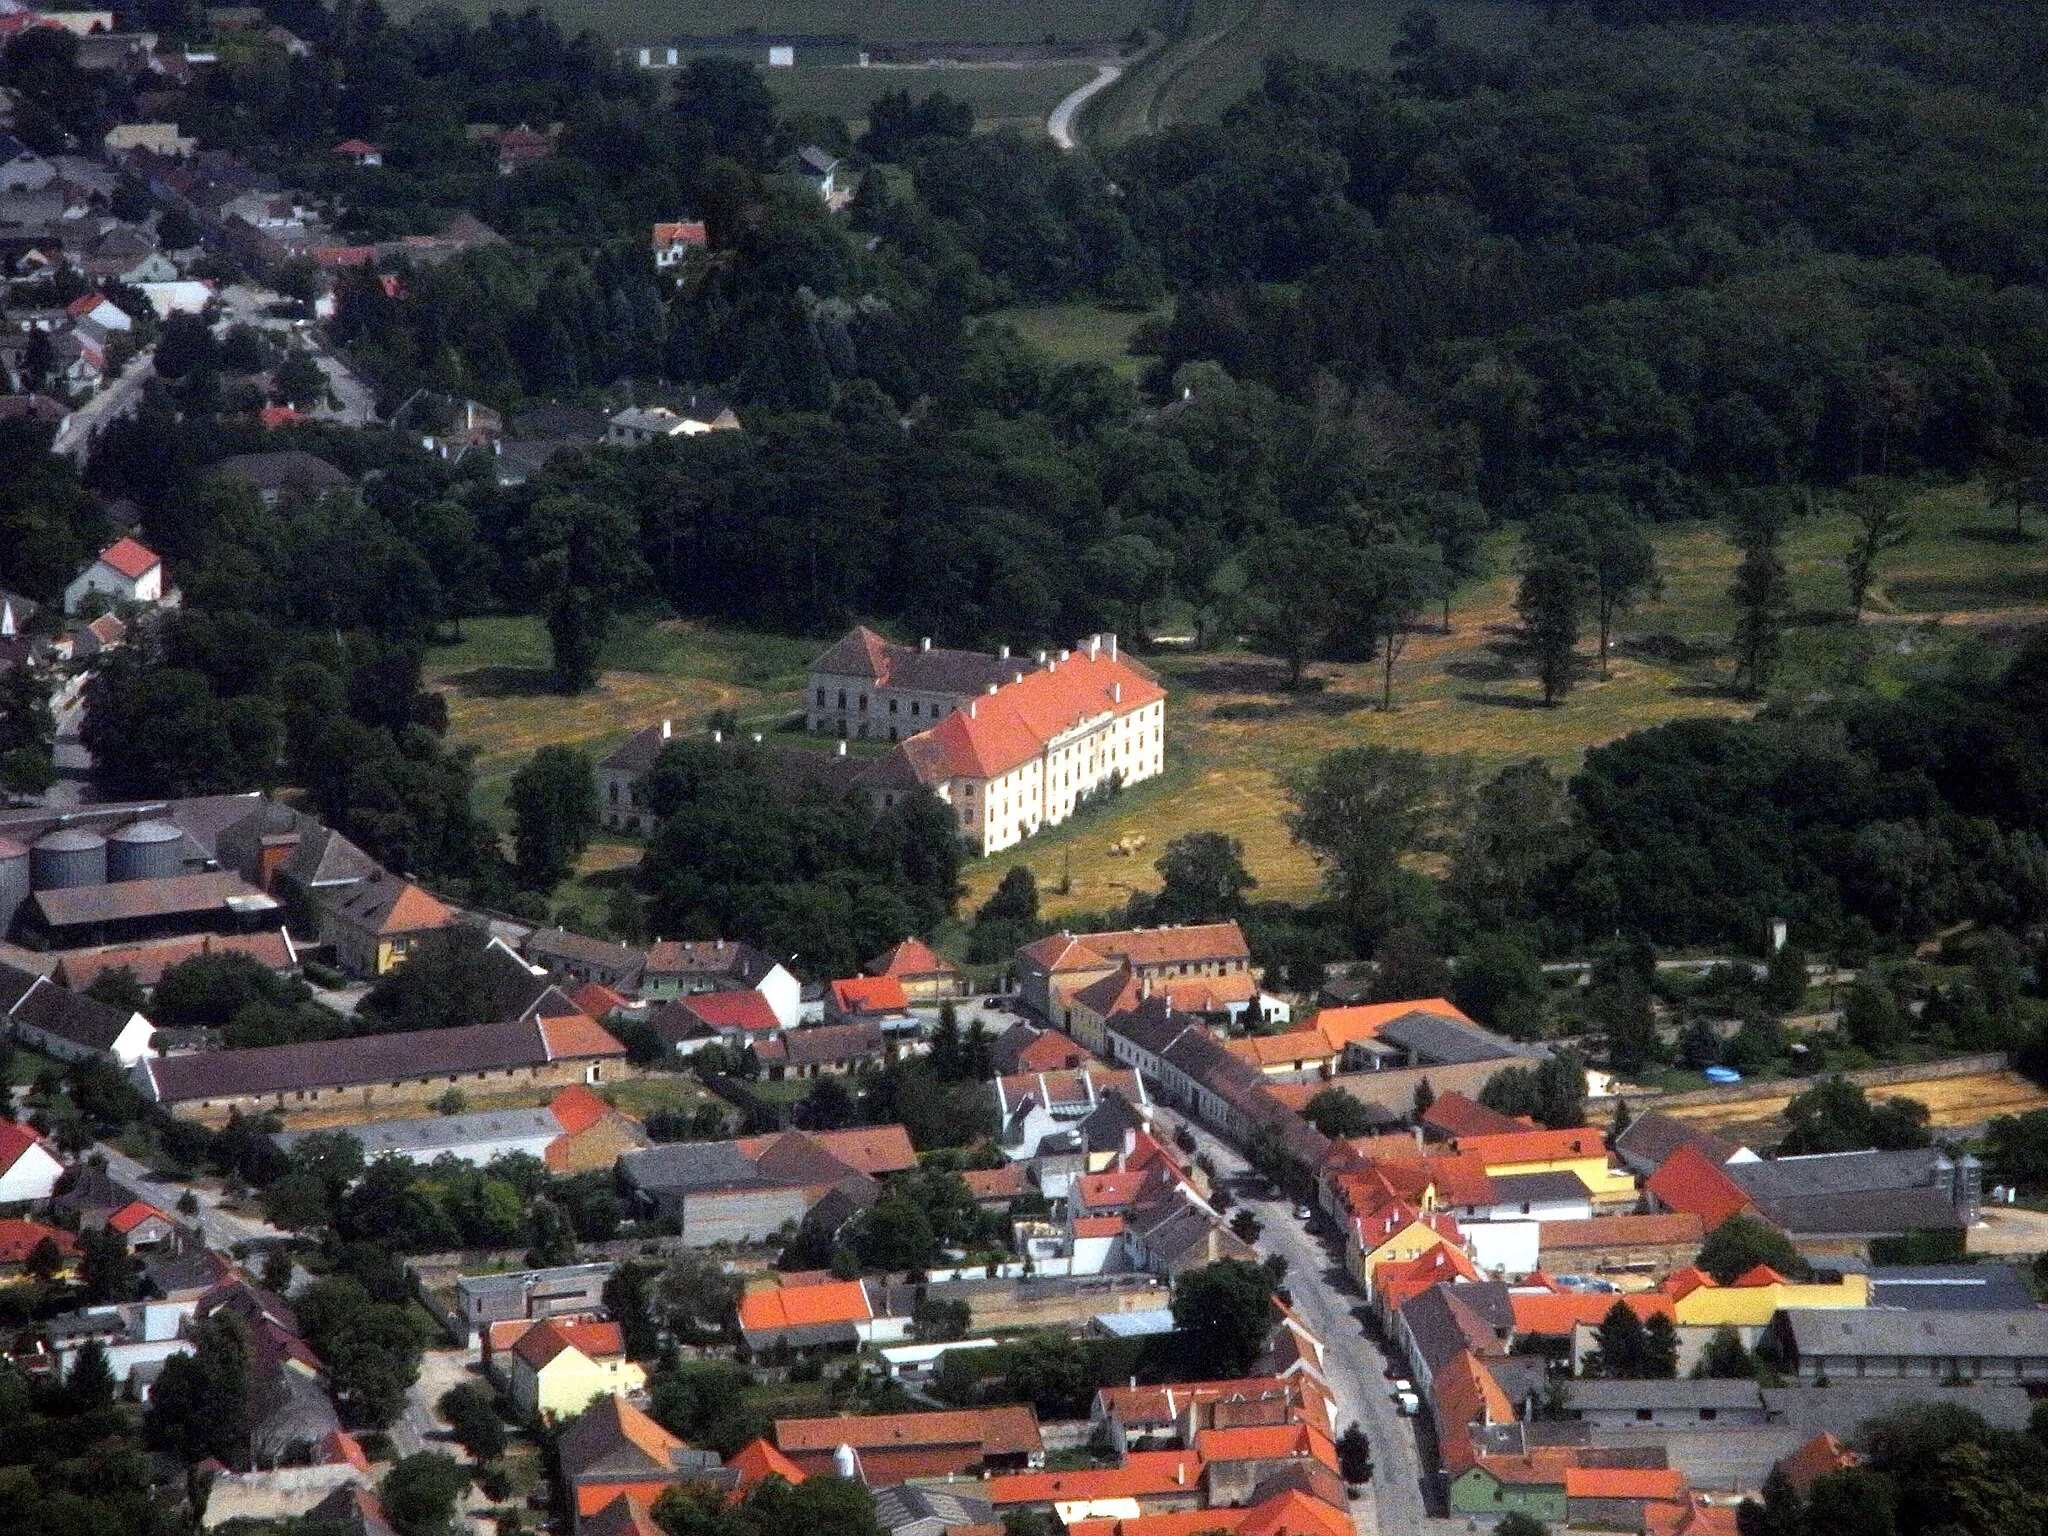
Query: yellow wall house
pixel 1395 1231
pixel 554 1369
pixel 1755 1297
pixel 1582 1152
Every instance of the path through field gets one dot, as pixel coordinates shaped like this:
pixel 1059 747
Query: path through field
pixel 1061 124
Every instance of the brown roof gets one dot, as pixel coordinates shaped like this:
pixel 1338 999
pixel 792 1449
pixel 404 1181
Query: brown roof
pixel 863 653
pixel 1007 1430
pixel 870 1149
pixel 173 895
pixel 912 958
pixel 364 1059
pixel 548 1338
pixel 77 968
pixel 1679 1228
pixel 385 904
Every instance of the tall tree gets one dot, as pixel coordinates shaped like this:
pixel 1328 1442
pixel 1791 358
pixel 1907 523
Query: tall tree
pixel 1621 565
pixel 1547 604
pixel 1621 1346
pixel 1879 508
pixel 1205 879
pixel 1361 810
pixel 1389 587
pixel 1761 593
pixel 582 558
pixel 554 814
pixel 1224 1311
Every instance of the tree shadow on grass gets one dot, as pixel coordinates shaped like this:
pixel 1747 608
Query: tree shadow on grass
pixel 1708 691
pixel 1240 675
pixel 1983 534
pixel 503 682
pixel 1505 700
pixel 1494 669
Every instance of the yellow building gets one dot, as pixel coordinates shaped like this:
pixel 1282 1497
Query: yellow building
pixel 554 1369
pixel 1581 1151
pixel 1755 1297
pixel 1394 1232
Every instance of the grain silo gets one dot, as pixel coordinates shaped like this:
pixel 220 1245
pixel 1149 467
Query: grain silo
pixel 67 857
pixel 145 850
pixel 14 882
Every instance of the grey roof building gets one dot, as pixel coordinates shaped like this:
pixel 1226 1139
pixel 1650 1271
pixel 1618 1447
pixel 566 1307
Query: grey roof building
pixel 1844 1406
pixel 1431 1039
pixel 910 1511
pixel 566 1288
pixel 473 1138
pixel 1651 1138
pixel 1950 1288
pixel 1863 1194
pixel 1668 1404
pixel 1862 1343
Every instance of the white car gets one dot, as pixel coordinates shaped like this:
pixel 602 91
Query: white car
pixel 1402 1387
pixel 1409 1404
pixel 1304 1213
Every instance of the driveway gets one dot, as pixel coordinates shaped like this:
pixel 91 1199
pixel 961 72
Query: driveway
pixel 221 1229
pixel 420 1427
pixel 1326 1299
pixel 110 404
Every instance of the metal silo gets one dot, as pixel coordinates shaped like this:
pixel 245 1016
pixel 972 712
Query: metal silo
pixel 67 857
pixel 14 885
pixel 145 850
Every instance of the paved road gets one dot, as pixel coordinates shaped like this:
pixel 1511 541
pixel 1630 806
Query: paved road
pixel 1061 123
pixel 1332 1305
pixel 220 1229
pixel 110 404
pixel 73 762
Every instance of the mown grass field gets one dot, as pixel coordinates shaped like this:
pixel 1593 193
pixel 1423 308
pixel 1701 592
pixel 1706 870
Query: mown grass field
pixel 1081 333
pixel 1021 21
pixel 1235 732
pixel 1018 97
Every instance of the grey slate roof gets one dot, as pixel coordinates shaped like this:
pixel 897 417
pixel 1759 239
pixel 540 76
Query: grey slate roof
pixel 85 1021
pixel 1434 1040
pixel 1869 1331
pixel 683 1166
pixel 1843 1407
pixel 911 1509
pixel 1852 1192
pixel 1151 1025
pixel 292 469
pixel 1533 1187
pixel 1442 1321
pixel 1625 1396
pixel 1950 1288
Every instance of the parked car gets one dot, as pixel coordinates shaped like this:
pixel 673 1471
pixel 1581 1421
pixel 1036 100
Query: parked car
pixel 1304 1213
pixel 1402 1387
pixel 1409 1404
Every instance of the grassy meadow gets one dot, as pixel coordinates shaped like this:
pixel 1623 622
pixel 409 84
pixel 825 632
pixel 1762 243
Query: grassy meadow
pixel 650 21
pixel 1082 333
pixel 1019 96
pixel 1234 731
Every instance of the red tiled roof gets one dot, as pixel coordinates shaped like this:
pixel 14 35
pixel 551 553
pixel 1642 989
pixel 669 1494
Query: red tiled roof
pixel 803 1306
pixel 869 994
pixel 757 1461
pixel 1688 1182
pixel 1623 1482
pixel 130 558
pixel 1456 1115
pixel 1108 1191
pixel 1294 1513
pixel 1004 1430
pixel 355 147
pixel 1556 1313
pixel 872 1149
pixel 1364 1021
pixel 1816 1459
pixel 597 999
pixel 742 1008
pixel 1004 1183
pixel 913 957
pixel 1757 1276
pixel 340 1448
pixel 573 1035
pixel 1266 1442
pixel 999 731
pixel 1098 1226
pixel 1667 1228
pixel 1144 1474
pixel 683 231
pixel 1515 1147
pixel 133 1215
pixel 18 1239
pixel 548 1338
pixel 577 1108
pixel 1466 1393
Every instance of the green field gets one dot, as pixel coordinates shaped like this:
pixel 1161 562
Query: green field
pixel 1005 97
pixel 873 21
pixel 1081 333
pixel 1233 729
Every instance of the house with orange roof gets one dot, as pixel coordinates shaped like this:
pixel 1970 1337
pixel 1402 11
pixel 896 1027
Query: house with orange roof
pixel 829 1314
pixel 1599 1245
pixel 1455 1114
pixel 1396 1281
pixel 598 1000
pixel 1300 1054
pixel 1464 1394
pixel 1753 1298
pixel 896 1447
pixel 374 924
pixel 554 1368
pixel 1120 968
pixel 19 1240
pixel 925 975
pixel 673 241
pixel 1289 1512
pixel 855 998
pixel 1531 1485
pixel 1235 1461
pixel 1555 1314
pixel 1690 1515
pixel 1346 1027
pixel 1010 745
pixel 1823 1454
pixel 1025 1047
pixel 756 1462
pixel 1614 1498
pixel 124 572
pixel 141 1225
pixel 1171 1415
pixel 613 1451
pixel 1148 1482
pixel 1581 1151
pixel 1396 1231
pixel 1689 1182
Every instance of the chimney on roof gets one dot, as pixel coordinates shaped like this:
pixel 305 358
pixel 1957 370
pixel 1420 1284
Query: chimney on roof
pixel 842 749
pixel 667 729
pixel 717 737
pixel 1041 658
pixel 970 709
pixel 1180 1473
pixel 1063 653
pixel 992 687
pixel 1017 677
pixel 925 644
pixel 1112 647
pixel 1003 651
pixel 1116 693
pixel 757 736
pixel 1094 646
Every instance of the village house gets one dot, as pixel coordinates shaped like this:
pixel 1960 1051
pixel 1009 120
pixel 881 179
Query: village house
pixel 374 924
pixel 123 572
pixel 567 1291
pixel 367 1071
pixel 677 968
pixel 1847 1345
pixel 922 972
pixel 744 1191
pixel 613 1454
pixel 893 1448
pixel 69 1025
pixel 554 1368
pixel 1051 970
pixel 673 242
pixel 695 417
pixel 809 1315
pixel 551 1134
pixel 29 1165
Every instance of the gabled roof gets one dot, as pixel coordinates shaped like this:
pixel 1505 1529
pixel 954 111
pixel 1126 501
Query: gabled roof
pixel 18 1239
pixel 18 1140
pixel 1364 1021
pixel 1453 1114
pixel 913 958
pixel 1000 731
pixel 133 1215
pixel 1144 1474
pixel 1816 1459
pixel 871 1149
pixel 757 1461
pixel 614 1438
pixel 869 994
pixel 1058 952
pixel 597 1000
pixel 801 1306
pixel 1263 1442
pixel 539 1345
pixel 1556 1313
pixel 1466 1394
pixel 1009 1429
pixel 1652 1137
pixel 681 232
pixel 1623 1482
pixel 1686 1181
pixel 130 558
pixel 577 1108
pixel 1670 1228
pixel 386 905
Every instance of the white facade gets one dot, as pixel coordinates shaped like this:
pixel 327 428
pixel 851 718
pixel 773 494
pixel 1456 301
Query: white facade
pixel 1504 1248
pixel 102 577
pixel 1000 812
pixel 31 1176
